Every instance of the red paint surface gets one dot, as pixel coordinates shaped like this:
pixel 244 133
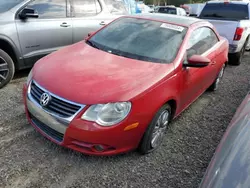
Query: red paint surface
pixel 86 75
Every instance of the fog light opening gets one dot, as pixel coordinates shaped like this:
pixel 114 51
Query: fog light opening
pixel 99 148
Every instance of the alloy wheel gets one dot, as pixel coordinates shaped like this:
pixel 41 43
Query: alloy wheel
pixel 4 70
pixel 160 129
pixel 219 77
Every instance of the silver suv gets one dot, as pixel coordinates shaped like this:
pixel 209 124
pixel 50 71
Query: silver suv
pixel 31 29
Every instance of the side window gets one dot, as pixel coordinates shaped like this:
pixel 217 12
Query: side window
pixel 49 9
pixel 200 41
pixel 116 7
pixel 83 8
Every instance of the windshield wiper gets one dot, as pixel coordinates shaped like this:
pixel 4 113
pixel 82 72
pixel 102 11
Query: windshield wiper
pixel 92 44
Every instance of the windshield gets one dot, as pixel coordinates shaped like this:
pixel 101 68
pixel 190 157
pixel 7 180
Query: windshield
pixel 225 11
pixel 140 39
pixel 6 5
pixel 167 10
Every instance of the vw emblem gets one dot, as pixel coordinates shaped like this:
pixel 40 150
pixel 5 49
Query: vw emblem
pixel 45 99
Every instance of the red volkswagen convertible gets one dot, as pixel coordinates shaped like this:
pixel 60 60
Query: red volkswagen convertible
pixel 119 89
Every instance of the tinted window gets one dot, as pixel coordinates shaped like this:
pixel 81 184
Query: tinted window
pixel 140 39
pixel 167 10
pixel 6 5
pixel 49 8
pixel 83 8
pixel 200 41
pixel 116 6
pixel 225 11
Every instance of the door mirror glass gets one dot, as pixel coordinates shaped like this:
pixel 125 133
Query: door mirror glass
pixel 197 61
pixel 28 13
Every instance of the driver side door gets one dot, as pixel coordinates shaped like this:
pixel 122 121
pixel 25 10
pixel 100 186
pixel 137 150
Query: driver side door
pixel 196 80
pixel 49 32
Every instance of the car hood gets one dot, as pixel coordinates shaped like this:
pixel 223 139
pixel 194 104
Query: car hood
pixel 86 75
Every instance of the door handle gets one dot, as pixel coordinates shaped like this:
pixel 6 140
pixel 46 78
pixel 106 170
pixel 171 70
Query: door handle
pixel 102 23
pixel 64 24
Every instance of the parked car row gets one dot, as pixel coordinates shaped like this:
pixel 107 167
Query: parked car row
pixel 171 10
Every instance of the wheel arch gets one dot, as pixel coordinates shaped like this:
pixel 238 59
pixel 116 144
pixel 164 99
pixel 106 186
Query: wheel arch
pixel 173 105
pixel 10 49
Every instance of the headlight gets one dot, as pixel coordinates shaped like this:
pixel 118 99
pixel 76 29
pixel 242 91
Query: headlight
pixel 107 114
pixel 29 77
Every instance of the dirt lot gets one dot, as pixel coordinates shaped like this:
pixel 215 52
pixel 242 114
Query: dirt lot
pixel 29 160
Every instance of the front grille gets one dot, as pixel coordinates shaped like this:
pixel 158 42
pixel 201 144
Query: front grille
pixel 47 130
pixel 56 105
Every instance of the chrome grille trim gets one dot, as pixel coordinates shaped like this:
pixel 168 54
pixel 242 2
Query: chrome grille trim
pixel 60 108
pixel 52 133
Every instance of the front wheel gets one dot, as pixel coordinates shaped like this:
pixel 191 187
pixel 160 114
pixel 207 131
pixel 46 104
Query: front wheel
pixel 216 83
pixel 7 69
pixel 155 132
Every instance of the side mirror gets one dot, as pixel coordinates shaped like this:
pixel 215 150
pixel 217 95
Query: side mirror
pixel 28 13
pixel 197 61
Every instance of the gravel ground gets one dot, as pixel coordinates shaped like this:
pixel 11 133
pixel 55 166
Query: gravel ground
pixel 29 160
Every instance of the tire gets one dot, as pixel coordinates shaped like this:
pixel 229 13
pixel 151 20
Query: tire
pixel 7 69
pixel 247 41
pixel 216 83
pixel 158 126
pixel 236 59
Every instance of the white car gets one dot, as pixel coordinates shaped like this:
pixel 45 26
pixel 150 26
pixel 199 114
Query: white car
pixel 171 10
pixel 194 9
pixel 232 21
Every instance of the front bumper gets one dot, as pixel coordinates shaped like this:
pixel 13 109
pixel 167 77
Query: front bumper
pixel 83 136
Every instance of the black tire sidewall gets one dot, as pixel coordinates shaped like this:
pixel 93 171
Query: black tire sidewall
pixel 236 59
pixel 145 145
pixel 11 67
pixel 213 86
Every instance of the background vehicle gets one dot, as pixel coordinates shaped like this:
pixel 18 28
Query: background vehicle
pixel 230 165
pixel 171 10
pixel 231 19
pixel 152 8
pixel 30 30
pixel 142 8
pixel 194 9
pixel 169 59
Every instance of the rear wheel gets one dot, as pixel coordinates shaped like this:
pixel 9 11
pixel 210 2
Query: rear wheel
pixel 216 83
pixel 248 44
pixel 7 68
pixel 155 132
pixel 236 59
